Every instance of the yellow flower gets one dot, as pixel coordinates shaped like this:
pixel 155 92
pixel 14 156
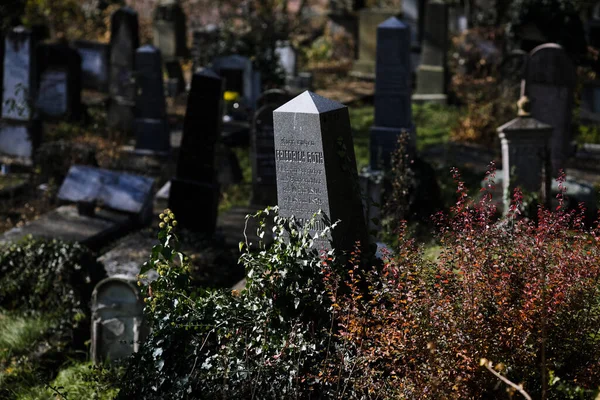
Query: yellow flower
pixel 231 96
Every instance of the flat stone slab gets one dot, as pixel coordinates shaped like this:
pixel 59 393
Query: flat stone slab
pixel 65 223
pixel 115 190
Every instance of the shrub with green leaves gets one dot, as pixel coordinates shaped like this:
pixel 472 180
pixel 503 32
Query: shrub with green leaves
pixel 263 341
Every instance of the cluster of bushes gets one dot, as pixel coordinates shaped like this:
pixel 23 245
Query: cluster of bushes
pixel 506 299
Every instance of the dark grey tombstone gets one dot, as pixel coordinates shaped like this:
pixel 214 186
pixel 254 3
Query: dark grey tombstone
pixel 95 59
pixel 117 319
pixel 175 74
pixel 273 96
pixel 393 114
pixel 150 126
pixel 124 40
pixel 59 91
pixel 264 177
pixel 239 76
pixel 194 193
pixel 169 30
pixel 118 191
pixel 431 74
pixel 550 79
pixel 316 168
pixel 201 40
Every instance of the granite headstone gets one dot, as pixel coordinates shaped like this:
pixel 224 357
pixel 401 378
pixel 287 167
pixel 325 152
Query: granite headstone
pixel 239 76
pixel 194 193
pixel 550 79
pixel 393 113
pixel 316 168
pixel 169 30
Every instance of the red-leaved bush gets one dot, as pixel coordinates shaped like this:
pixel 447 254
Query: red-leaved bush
pixel 522 294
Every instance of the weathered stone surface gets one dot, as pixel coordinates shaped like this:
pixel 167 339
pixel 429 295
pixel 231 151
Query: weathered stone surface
pixel 393 113
pixel 18 140
pixel 316 167
pixel 94 64
pixel 115 190
pixel 550 79
pixel 18 87
pixel 169 30
pixel 368 20
pixel 117 319
pixel 150 94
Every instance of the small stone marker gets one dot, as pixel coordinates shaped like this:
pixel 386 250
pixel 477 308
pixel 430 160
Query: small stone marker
pixel 264 178
pixel 150 126
pixel 95 58
pixel 194 193
pixel 550 79
pixel 524 153
pixel 316 167
pixel 59 93
pixel 393 113
pixel 431 74
pixel 117 319
pixel 124 40
pixel 114 190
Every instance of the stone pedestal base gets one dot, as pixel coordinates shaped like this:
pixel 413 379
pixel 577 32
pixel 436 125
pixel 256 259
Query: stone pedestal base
pixel 430 98
pixel 195 204
pixel 152 134
pixel 384 142
pixel 431 84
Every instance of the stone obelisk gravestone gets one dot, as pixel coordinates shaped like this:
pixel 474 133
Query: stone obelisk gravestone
pixel 524 152
pixel 124 40
pixel 59 91
pixel 431 74
pixel 194 193
pixel 150 126
pixel 19 130
pixel 549 83
pixel 170 36
pixel 392 92
pixel 316 168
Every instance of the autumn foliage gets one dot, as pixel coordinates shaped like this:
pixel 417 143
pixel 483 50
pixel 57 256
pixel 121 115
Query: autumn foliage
pixel 524 295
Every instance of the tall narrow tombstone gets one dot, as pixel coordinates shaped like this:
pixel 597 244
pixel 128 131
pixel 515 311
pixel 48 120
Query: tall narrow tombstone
pixel 316 168
pixel 95 58
pixel 393 113
pixel 194 193
pixel 368 20
pixel 59 91
pixel 169 30
pixel 124 40
pixel 150 126
pixel 19 131
pixel 431 74
pixel 550 79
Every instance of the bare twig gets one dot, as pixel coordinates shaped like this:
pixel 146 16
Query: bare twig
pixel 518 388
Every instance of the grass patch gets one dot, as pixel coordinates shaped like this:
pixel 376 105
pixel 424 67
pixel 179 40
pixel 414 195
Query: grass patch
pixel 239 194
pixel 432 121
pixel 18 333
pixel 79 381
